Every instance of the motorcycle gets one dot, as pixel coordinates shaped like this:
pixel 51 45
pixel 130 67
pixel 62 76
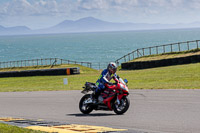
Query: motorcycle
pixel 113 98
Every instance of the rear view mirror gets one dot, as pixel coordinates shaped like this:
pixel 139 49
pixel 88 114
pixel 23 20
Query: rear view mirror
pixel 126 81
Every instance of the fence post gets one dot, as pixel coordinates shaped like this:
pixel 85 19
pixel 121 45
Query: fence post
pixel 138 53
pixel 188 45
pixel 124 59
pixel 156 49
pixel 163 48
pixel 143 51
pixel 33 62
pixel 171 48
pixel 179 47
pixel 149 50
pixel 197 44
pixel 117 62
pixel 90 65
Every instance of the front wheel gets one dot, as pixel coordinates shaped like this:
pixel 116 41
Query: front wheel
pixel 121 106
pixel 85 104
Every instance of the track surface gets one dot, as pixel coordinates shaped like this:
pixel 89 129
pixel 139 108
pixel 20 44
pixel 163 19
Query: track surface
pixel 150 110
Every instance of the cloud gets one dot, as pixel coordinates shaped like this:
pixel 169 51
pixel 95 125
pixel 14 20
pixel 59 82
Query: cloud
pixel 109 10
pixel 47 7
pixel 25 8
pixel 194 4
pixel 19 7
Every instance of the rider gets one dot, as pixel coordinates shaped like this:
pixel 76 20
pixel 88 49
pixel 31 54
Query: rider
pixel 105 77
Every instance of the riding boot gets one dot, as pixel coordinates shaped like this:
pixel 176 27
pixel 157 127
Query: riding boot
pixel 96 95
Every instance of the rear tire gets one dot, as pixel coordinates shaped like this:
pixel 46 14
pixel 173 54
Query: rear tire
pixel 122 107
pixel 85 108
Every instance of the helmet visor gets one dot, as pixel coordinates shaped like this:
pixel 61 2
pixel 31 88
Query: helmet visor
pixel 113 70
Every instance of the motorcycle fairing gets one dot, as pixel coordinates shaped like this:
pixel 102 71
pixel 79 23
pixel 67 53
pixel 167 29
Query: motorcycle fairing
pixel 107 102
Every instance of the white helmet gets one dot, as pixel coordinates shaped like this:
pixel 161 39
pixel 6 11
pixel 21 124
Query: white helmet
pixel 112 67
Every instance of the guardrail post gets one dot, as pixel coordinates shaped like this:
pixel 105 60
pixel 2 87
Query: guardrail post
pixel 179 47
pixel 124 59
pixel 143 51
pixel 149 50
pixel 156 49
pixel 188 45
pixel 171 48
pixel 163 48
pixel 117 62
pixel 197 44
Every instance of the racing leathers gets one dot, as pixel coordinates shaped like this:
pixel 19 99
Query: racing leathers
pixel 104 78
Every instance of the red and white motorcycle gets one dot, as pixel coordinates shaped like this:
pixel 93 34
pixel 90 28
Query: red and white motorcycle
pixel 114 97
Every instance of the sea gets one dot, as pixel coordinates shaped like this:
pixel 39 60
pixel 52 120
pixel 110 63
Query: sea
pixel 88 47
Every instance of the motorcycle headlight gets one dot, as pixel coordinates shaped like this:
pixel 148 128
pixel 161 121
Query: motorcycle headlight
pixel 124 87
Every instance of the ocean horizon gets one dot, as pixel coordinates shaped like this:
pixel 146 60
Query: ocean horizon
pixel 88 47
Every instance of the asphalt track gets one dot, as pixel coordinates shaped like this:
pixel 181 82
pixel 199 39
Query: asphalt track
pixel 150 111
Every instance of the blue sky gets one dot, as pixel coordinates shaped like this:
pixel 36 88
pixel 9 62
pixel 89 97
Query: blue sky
pixel 44 13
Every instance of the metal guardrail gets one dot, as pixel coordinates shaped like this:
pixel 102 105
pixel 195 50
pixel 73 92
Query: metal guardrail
pixel 173 47
pixel 160 49
pixel 51 62
pixel 41 62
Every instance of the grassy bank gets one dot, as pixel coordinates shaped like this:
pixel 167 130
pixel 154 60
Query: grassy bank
pixel 4 128
pixel 168 55
pixel 172 77
pixel 82 68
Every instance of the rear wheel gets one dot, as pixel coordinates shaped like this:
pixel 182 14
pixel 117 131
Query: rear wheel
pixel 121 106
pixel 85 104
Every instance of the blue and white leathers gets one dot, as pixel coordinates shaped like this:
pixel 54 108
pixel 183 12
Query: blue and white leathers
pixel 104 78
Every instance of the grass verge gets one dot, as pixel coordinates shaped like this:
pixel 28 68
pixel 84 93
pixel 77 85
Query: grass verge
pixel 171 77
pixel 4 128
pixel 168 55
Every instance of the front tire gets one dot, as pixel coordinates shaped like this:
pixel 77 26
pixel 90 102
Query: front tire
pixel 122 107
pixel 85 107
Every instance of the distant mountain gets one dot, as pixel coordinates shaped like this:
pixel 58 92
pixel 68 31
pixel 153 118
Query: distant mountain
pixel 14 30
pixel 90 24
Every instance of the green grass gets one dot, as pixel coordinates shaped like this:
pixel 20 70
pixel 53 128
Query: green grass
pixel 168 55
pixel 82 68
pixel 172 77
pixel 4 128
pixel 47 83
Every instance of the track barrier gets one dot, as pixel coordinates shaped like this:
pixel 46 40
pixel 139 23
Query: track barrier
pixel 42 72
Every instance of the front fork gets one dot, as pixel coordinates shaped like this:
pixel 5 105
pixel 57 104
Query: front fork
pixel 119 97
